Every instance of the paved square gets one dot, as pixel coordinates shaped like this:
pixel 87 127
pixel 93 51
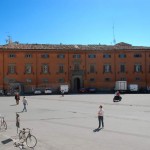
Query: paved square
pixel 67 123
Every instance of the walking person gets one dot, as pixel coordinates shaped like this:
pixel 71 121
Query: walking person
pixel 17 121
pixel 101 116
pixel 62 93
pixel 17 98
pixel 25 103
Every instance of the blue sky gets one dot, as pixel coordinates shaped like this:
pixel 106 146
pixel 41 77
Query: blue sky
pixel 75 21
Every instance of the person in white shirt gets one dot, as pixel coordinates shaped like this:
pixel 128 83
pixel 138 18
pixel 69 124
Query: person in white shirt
pixel 24 104
pixel 101 116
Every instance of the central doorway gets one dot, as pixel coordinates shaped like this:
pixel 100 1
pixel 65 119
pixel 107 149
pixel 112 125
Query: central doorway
pixel 77 84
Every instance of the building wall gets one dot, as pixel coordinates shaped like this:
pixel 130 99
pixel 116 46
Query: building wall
pixel 83 77
pixel 1 70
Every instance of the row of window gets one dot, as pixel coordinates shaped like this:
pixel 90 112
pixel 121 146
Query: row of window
pixel 62 80
pixel 76 56
pixel 109 79
pixel 45 80
pixel 92 68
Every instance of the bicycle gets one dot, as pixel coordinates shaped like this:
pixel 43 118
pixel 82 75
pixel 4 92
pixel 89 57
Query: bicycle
pixel 26 136
pixel 3 125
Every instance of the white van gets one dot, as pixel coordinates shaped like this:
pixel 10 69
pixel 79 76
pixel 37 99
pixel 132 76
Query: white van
pixel 64 88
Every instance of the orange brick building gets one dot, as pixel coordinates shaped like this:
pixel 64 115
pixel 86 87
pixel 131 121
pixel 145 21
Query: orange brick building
pixel 28 66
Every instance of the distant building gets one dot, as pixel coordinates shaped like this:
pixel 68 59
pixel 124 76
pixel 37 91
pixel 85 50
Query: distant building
pixel 29 66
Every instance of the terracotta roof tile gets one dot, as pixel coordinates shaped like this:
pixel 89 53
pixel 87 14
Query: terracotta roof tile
pixel 119 46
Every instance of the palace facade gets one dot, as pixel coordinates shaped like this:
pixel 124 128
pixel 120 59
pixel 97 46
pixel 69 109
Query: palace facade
pixel 29 66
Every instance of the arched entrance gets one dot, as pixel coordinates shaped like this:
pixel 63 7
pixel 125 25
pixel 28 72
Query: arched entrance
pixel 77 84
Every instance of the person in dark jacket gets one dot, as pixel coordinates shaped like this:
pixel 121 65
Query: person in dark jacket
pixel 17 98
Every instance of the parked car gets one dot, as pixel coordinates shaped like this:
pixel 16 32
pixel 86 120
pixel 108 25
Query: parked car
pixel 8 94
pixel 83 90
pixel 91 90
pixel 1 92
pixel 48 91
pixel 37 91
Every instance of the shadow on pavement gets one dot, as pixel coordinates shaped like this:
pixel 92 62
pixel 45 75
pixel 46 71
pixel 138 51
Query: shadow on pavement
pixel 97 129
pixel 13 105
